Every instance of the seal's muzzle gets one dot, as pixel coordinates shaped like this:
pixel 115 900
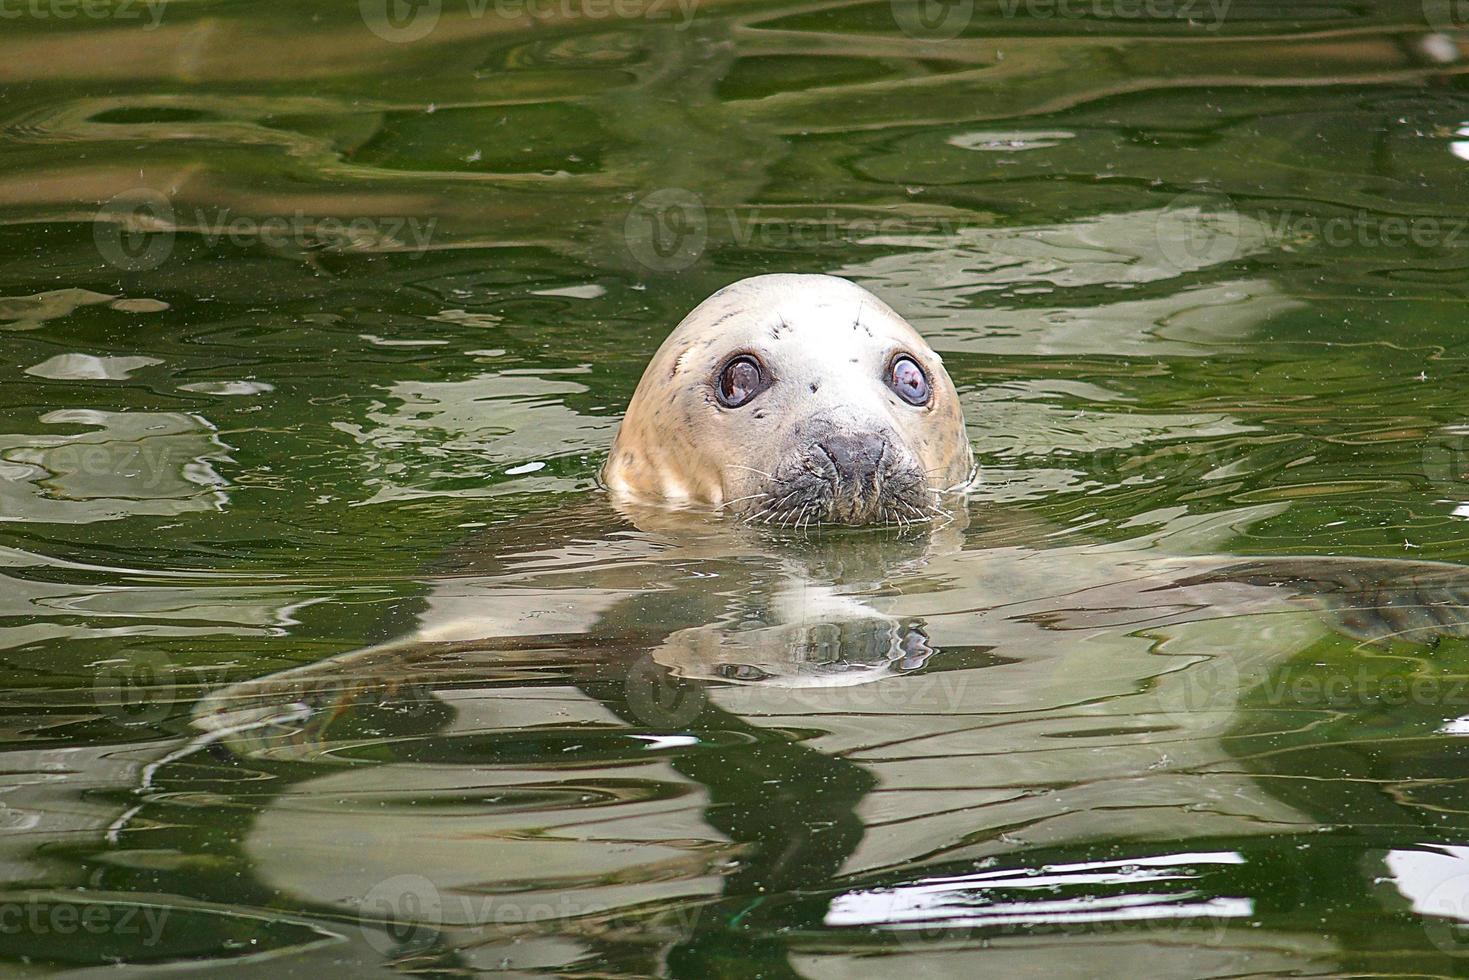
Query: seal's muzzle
pixel 847 476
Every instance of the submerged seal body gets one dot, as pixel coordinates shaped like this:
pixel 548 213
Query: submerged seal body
pixel 794 400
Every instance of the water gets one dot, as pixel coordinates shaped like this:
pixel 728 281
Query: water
pixel 317 322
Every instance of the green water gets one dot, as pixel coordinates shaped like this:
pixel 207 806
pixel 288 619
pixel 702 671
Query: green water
pixel 317 320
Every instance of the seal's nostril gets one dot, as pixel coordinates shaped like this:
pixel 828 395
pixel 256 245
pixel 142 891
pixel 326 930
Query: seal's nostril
pixel 855 458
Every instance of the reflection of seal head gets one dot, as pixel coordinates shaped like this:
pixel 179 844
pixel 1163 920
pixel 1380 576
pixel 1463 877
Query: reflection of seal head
pixel 794 400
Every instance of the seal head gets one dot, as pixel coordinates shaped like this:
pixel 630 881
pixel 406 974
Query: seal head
pixel 794 400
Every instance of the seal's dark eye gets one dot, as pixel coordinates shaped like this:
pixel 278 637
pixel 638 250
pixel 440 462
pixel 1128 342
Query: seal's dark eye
pixel 909 381
pixel 739 381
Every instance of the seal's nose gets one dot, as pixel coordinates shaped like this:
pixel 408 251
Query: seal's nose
pixel 855 457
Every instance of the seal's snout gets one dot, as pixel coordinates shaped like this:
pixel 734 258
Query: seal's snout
pixel 857 474
pixel 849 475
pixel 856 459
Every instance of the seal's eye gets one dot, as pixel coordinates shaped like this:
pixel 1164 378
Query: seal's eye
pixel 908 380
pixel 739 381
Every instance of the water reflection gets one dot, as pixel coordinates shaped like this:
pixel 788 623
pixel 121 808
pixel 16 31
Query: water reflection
pixel 565 755
pixel 120 464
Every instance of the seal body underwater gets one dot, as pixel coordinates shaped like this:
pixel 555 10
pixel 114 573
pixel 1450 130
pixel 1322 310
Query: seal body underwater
pixel 794 400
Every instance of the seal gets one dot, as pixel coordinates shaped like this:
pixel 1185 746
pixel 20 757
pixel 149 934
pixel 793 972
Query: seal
pixel 794 400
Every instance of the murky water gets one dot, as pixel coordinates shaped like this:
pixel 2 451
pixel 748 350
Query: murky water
pixel 317 322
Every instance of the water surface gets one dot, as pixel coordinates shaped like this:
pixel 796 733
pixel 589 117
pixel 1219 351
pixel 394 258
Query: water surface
pixel 317 322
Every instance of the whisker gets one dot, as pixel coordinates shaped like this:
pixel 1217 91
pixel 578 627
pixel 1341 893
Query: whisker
pixel 741 466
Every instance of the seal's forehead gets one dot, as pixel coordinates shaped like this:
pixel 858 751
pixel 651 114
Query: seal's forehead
pixel 794 308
